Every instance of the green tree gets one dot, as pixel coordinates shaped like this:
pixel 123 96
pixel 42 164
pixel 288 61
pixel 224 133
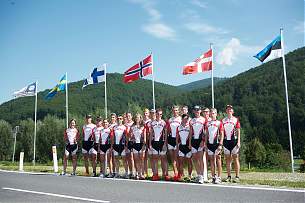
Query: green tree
pixel 50 133
pixel 6 143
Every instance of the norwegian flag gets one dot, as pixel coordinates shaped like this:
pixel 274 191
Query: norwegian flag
pixel 202 64
pixel 139 70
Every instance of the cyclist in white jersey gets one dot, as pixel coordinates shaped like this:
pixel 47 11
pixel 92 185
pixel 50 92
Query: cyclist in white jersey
pixel 129 155
pixel 87 141
pixel 197 142
pixel 96 138
pixel 172 125
pixel 146 120
pixel 206 115
pixel 152 115
pixel 231 142
pixel 158 143
pixel 111 163
pixel 105 147
pixel 185 110
pixel 71 138
pixel 138 137
pixel 119 134
pixel 214 143
pixel 183 143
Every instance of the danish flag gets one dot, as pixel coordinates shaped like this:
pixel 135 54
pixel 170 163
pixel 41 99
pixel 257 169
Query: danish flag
pixel 141 69
pixel 202 64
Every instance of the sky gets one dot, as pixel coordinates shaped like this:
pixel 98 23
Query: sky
pixel 42 40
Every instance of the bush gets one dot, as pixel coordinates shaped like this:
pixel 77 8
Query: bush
pixel 255 153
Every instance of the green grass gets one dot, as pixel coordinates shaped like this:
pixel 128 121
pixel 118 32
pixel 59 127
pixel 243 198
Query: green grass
pixel 275 183
pixel 248 177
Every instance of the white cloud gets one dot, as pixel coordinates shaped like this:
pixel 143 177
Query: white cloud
pixel 229 52
pixel 160 30
pixel 300 27
pixel 199 3
pixel 232 50
pixel 204 28
pixel 156 27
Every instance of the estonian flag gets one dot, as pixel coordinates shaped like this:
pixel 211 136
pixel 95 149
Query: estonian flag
pixel 271 51
pixel 61 86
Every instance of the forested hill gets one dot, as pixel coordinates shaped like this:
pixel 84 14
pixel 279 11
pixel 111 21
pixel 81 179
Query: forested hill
pixel 259 99
pixel 121 97
pixel 201 84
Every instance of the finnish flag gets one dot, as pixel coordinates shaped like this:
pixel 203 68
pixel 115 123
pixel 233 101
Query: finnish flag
pixel 98 75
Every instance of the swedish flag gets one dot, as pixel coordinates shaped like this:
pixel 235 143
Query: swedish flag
pixel 61 86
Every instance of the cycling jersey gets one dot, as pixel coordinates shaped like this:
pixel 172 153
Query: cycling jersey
pixel 158 137
pixel 183 132
pixel 88 138
pixel 71 135
pixel 230 135
pixel 97 134
pixel 197 125
pixel 214 127
pixel 172 125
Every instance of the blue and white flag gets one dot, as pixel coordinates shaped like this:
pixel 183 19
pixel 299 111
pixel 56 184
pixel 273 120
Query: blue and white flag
pixel 98 75
pixel 271 51
pixel 29 90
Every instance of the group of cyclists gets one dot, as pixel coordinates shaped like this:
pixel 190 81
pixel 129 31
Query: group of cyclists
pixel 141 139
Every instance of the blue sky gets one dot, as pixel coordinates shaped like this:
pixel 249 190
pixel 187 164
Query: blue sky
pixel 41 40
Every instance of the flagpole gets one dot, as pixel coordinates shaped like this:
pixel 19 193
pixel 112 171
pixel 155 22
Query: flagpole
pixel 35 125
pixel 153 82
pixel 212 75
pixel 105 66
pixel 287 103
pixel 67 115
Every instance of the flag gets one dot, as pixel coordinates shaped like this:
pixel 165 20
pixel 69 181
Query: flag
pixel 61 86
pixel 141 69
pixel 29 90
pixel 98 75
pixel 202 64
pixel 271 51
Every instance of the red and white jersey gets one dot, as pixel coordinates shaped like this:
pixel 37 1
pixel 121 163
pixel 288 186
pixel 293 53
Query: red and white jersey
pixel 112 125
pixel 118 132
pixel 172 125
pixel 138 133
pixel 214 128
pixel 183 132
pixel 197 124
pixel 97 133
pixel 128 125
pixel 71 134
pixel 105 136
pixel 230 125
pixel 158 129
pixel 88 131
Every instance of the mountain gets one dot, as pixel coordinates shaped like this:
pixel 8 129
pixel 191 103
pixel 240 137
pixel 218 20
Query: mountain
pixel 121 97
pixel 258 97
pixel 200 84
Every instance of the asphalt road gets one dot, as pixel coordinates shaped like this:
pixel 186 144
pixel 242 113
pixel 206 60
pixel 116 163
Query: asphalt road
pixel 26 187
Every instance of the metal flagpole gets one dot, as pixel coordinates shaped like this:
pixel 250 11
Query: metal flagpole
pixel 106 154
pixel 153 82
pixel 105 90
pixel 67 115
pixel 287 103
pixel 212 75
pixel 35 125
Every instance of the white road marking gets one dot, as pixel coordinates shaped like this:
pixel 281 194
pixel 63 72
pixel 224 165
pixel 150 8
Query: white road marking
pixel 181 183
pixel 54 195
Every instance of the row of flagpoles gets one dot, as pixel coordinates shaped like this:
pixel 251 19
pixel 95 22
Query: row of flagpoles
pixel 145 67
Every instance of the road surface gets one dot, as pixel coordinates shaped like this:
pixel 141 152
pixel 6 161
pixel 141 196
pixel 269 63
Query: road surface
pixel 39 187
